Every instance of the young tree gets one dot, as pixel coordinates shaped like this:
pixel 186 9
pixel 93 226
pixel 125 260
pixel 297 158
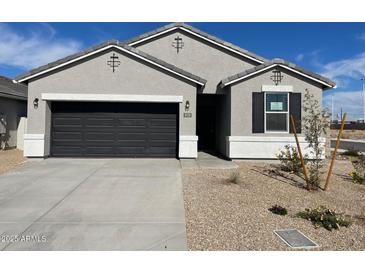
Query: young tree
pixel 316 124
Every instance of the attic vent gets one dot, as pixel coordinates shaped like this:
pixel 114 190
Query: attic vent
pixel 178 44
pixel 113 62
pixel 276 76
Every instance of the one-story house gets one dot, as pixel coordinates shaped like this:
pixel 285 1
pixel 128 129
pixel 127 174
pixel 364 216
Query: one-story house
pixel 167 93
pixel 13 106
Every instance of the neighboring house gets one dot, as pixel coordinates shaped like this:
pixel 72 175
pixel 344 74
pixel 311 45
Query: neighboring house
pixel 13 106
pixel 166 93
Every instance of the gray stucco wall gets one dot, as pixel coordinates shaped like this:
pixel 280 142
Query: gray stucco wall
pixel 199 57
pixel 241 98
pixel 94 76
pixel 13 109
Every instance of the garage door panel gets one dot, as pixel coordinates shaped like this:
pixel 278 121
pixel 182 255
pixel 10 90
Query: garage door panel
pixel 162 143
pixel 132 130
pixel 132 136
pixel 100 122
pixel 131 122
pixel 71 136
pixel 161 151
pixel 98 136
pixel 67 121
pixel 97 150
pixel 162 122
pixel 66 151
pixel 133 144
pixel 163 136
pixel 114 129
pixel 162 130
pixel 131 150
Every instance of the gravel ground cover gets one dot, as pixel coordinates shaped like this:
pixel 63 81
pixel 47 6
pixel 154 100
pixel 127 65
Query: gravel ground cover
pixel 224 216
pixel 9 159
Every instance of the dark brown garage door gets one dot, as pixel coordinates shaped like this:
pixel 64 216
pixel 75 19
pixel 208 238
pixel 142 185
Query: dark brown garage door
pixel 114 129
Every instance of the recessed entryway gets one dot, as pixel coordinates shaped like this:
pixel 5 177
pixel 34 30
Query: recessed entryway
pixel 209 122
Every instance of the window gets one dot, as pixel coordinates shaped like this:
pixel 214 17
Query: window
pixel 276 112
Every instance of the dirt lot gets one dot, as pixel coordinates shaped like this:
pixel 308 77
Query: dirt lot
pixel 225 216
pixel 350 134
pixel 9 159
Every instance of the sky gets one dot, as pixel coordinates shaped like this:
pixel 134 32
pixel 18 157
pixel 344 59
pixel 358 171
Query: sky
pixel 334 50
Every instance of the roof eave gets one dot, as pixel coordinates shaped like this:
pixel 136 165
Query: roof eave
pixel 187 28
pixel 326 84
pixel 13 96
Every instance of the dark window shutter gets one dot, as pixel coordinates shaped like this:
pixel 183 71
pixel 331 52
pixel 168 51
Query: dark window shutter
pixel 295 109
pixel 258 112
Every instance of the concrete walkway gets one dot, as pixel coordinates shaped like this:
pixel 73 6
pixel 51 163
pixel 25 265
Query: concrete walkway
pixel 93 204
pixel 207 161
pixel 348 144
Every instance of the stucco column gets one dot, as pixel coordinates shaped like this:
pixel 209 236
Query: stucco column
pixel 35 137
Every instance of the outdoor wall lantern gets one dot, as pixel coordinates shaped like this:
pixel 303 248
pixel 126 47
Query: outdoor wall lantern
pixel 35 103
pixel 187 105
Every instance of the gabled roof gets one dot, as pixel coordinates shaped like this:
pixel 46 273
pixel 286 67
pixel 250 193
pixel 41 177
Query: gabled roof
pixel 196 32
pixel 12 90
pixel 102 47
pixel 327 83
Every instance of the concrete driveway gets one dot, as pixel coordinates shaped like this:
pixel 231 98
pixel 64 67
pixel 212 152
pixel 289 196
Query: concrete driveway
pixel 93 204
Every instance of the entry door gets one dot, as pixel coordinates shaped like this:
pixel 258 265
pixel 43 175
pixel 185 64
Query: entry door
pixel 206 129
pixel 86 129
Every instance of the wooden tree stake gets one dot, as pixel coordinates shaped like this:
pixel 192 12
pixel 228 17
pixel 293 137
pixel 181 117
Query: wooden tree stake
pixel 326 186
pixel 299 149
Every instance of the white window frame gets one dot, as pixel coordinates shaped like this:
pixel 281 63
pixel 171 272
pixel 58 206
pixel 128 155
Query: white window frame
pixel 286 112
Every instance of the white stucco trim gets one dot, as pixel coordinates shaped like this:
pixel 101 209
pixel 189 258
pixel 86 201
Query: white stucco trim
pixel 278 88
pixel 103 49
pixel 21 129
pixel 88 97
pixel 197 35
pixel 188 146
pixel 34 145
pixel 262 147
pixel 188 138
pixel 277 65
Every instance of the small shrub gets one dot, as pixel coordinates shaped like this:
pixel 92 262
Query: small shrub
pixel 235 177
pixel 316 123
pixel 324 217
pixel 279 210
pixel 358 176
pixel 290 160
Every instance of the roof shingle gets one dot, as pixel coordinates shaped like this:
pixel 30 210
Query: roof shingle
pixel 12 90
pixel 135 40
pixel 115 43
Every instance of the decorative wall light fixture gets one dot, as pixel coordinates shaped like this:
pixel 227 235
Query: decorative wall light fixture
pixel 35 103
pixel 187 105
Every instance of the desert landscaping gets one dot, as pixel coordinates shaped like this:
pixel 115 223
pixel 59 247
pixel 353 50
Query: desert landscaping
pixel 222 214
pixel 10 159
